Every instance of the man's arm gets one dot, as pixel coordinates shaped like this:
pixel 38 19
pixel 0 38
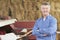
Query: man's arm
pixel 52 27
pixel 36 31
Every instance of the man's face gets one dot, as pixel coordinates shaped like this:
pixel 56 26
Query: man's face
pixel 45 9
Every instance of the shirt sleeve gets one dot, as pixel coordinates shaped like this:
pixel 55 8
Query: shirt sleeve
pixel 35 30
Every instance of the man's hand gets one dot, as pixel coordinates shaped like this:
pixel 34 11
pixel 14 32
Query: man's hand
pixel 44 34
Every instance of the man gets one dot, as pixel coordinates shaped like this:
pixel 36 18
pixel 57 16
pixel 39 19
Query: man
pixel 46 26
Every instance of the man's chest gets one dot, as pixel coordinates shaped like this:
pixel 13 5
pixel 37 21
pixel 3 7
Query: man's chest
pixel 43 24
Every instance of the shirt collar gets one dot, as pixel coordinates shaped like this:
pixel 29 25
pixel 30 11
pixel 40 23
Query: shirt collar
pixel 46 17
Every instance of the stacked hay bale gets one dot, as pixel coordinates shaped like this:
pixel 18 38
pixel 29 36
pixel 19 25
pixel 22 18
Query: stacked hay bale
pixel 4 7
pixel 27 10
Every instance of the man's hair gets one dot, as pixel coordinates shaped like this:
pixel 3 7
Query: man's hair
pixel 45 3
